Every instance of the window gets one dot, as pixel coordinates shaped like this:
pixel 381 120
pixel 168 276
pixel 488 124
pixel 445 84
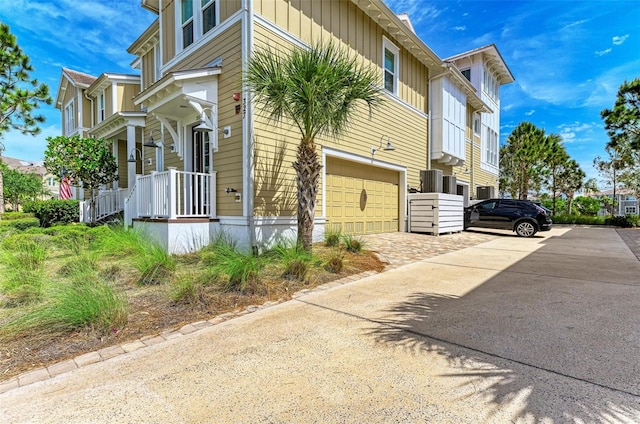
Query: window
pixel 467 74
pixel 69 118
pixel 156 63
pixel 629 210
pixel 491 147
pixel 476 123
pixel 390 58
pixel 187 22
pixel 208 15
pixel 101 107
pixel 196 18
pixel 491 86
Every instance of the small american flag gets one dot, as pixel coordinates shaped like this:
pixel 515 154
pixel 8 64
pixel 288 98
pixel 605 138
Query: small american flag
pixel 65 189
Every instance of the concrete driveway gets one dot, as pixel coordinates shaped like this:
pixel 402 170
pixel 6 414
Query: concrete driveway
pixel 512 330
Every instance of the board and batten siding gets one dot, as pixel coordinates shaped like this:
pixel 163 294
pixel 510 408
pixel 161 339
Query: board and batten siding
pixel 406 128
pixel 126 93
pixel 227 161
pixel 344 22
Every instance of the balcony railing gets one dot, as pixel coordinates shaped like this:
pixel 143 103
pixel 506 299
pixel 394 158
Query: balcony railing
pixel 172 194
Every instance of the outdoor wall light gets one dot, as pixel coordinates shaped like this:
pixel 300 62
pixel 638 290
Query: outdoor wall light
pixel 230 190
pixel 150 142
pixel 389 147
pixel 132 155
pixel 206 124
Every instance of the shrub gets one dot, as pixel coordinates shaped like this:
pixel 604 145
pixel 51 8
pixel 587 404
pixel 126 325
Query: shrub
pixel 335 263
pixel 332 237
pixel 352 243
pixel 20 223
pixel 628 221
pixel 578 219
pixel 54 211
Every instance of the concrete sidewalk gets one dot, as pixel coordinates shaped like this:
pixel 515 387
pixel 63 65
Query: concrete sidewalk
pixel 526 330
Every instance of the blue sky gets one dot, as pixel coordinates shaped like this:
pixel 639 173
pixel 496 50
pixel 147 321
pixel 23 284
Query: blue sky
pixel 568 57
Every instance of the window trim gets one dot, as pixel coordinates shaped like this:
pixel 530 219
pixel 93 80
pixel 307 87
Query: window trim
pixel 101 107
pixel 69 117
pixel 392 48
pixel 197 20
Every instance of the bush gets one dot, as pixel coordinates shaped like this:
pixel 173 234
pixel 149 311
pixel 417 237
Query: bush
pixel 578 219
pixel 332 237
pixel 352 243
pixel 296 261
pixel 55 211
pixel 20 223
pixel 629 221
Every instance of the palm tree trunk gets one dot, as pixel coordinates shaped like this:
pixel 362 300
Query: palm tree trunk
pixel 307 168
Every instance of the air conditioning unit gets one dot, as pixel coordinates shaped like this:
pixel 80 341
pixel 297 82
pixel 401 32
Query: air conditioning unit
pixel 449 184
pixel 431 181
pixel 485 192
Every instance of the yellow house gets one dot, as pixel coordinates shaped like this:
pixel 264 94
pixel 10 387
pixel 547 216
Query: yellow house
pixel 204 159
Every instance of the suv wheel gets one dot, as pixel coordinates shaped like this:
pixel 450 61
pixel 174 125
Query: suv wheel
pixel 525 229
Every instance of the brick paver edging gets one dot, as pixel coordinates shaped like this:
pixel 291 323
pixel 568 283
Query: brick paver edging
pixel 107 353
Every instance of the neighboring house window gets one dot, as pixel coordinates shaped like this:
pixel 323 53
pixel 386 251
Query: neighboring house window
pixel 69 118
pixel 390 65
pixel 630 210
pixel 492 147
pixel 208 15
pixel 476 124
pixel 187 22
pixel 491 86
pixel 51 182
pixel 467 74
pixel 101 107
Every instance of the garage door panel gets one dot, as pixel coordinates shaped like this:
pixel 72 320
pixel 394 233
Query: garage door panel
pixel 362 205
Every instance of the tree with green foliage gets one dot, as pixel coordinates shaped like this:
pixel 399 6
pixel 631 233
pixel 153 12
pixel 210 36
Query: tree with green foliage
pixel 571 180
pixel 623 121
pixel 523 160
pixel 20 187
pixel 86 161
pixel 591 186
pixel 319 90
pixel 609 169
pixel 557 158
pixel 20 95
pixel 587 205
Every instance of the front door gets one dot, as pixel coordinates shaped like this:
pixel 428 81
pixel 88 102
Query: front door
pixel 202 168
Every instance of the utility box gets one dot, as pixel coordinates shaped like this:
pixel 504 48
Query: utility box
pixel 435 213
pixel 431 181
pixel 485 192
pixel 449 184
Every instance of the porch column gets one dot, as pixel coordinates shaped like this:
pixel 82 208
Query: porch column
pixel 131 146
pixel 115 154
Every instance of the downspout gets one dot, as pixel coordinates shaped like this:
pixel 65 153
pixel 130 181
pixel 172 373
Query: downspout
pixel 247 49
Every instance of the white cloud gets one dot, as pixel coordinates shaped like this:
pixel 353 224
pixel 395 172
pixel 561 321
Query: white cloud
pixel 459 28
pixel 603 52
pixel 578 132
pixel 531 112
pixel 417 11
pixel 576 23
pixel 617 40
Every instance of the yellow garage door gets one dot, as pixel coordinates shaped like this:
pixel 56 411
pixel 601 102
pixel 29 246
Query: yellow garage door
pixel 361 199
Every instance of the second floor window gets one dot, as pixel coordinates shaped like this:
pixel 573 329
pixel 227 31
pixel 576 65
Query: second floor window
pixel 390 62
pixel 187 22
pixel 69 118
pixel 101 114
pixel 208 15
pixel 491 147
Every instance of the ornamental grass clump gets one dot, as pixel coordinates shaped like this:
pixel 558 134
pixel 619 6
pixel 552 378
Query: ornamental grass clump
pixel 23 271
pixel 295 260
pixel 238 270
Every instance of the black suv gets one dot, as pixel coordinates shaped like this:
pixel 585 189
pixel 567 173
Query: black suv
pixel 522 216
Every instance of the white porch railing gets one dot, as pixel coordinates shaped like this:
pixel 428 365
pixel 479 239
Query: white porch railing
pixel 106 203
pixel 172 194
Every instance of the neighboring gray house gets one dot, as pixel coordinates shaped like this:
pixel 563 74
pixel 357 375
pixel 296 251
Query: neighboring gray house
pixel 626 202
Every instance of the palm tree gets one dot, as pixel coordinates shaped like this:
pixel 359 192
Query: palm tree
pixel 319 89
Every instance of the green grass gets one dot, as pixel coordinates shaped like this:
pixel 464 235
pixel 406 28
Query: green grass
pixel 83 303
pixel 239 269
pixel 296 261
pixel 152 261
pixel 24 270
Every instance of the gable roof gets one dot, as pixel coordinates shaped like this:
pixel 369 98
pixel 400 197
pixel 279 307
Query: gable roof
pixel 76 78
pixel 24 165
pixel 494 60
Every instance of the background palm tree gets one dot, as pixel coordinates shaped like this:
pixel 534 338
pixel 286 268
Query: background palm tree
pixel 319 89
